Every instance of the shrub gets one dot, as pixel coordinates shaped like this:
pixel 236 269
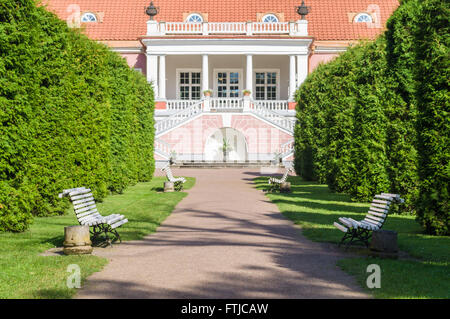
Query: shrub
pixel 432 71
pixel 72 113
pixel 340 133
pixel 402 112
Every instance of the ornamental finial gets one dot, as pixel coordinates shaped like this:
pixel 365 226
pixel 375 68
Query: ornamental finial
pixel 303 10
pixel 152 10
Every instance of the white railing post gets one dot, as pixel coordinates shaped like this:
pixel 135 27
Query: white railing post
pixel 292 29
pixel 162 28
pixel 247 101
pixel 302 28
pixel 153 28
pixel 205 28
pixel 249 28
pixel 207 104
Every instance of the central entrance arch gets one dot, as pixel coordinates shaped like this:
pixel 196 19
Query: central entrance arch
pixel 235 139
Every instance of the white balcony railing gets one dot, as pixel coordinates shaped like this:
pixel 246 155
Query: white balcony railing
pixel 226 103
pixel 298 28
pixel 274 105
pixel 175 105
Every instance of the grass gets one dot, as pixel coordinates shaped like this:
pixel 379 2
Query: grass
pixel 26 274
pixel 424 275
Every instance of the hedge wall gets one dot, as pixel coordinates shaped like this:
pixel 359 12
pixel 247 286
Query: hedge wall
pixel 432 71
pixel 401 131
pixel 377 117
pixel 72 114
pixel 340 130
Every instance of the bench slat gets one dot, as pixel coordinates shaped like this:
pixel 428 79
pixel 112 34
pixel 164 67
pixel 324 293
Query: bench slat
pixel 119 223
pixel 115 219
pixel 340 227
pixel 84 200
pixel 93 211
pixel 372 225
pixel 383 206
pixel 375 209
pixel 347 223
pixel 80 192
pixel 388 198
pixel 95 215
pixel 74 198
pixel 377 219
pixel 379 201
pixel 84 204
pixel 377 214
pixel 84 209
pixel 372 222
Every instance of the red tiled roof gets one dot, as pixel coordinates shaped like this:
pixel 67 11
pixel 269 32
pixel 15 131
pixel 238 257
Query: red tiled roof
pixel 328 19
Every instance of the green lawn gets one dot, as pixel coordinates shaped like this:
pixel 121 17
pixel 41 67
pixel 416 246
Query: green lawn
pixel 425 274
pixel 25 274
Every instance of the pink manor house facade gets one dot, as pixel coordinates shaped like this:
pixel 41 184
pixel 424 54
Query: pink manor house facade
pixel 226 72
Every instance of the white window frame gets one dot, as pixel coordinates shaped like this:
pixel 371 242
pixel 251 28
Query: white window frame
pixel 277 71
pixel 216 85
pixel 361 15
pixel 194 14
pixel 270 15
pixel 190 84
pixel 91 14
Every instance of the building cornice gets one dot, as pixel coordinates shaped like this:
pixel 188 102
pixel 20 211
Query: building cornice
pixel 227 46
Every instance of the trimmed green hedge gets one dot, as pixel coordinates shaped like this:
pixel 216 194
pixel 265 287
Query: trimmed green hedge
pixel 377 117
pixel 73 114
pixel 401 131
pixel 340 133
pixel 432 71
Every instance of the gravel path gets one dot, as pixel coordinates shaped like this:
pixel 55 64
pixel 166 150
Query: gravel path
pixel 224 240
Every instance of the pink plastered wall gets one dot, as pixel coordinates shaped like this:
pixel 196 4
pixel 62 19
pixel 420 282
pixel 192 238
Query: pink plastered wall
pixel 136 60
pixel 317 58
pixel 260 136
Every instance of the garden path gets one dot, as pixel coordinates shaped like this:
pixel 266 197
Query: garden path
pixel 224 240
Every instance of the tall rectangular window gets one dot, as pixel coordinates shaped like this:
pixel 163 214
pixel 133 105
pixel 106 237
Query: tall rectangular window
pixel 189 85
pixel 228 83
pixel 266 85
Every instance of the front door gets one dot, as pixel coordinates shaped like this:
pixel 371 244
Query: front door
pixel 228 83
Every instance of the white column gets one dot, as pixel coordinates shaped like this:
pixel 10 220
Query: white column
pixel 162 77
pixel 152 72
pixel 205 73
pixel 302 68
pixel 292 79
pixel 249 74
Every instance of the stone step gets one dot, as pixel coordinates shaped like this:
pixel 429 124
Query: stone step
pixel 205 164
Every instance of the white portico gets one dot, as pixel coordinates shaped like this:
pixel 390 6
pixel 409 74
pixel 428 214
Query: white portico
pixel 271 64
pixel 226 83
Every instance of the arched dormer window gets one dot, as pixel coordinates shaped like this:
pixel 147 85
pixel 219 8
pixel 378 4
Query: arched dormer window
pixel 362 17
pixel 270 18
pixel 88 17
pixel 194 18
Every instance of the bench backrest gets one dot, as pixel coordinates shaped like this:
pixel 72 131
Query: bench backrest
pixel 379 208
pixel 83 203
pixel 168 172
pixel 285 175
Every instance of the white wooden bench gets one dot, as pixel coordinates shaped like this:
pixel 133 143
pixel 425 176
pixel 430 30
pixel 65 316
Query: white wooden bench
pixel 177 181
pixel 275 183
pixel 361 231
pixel 87 214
